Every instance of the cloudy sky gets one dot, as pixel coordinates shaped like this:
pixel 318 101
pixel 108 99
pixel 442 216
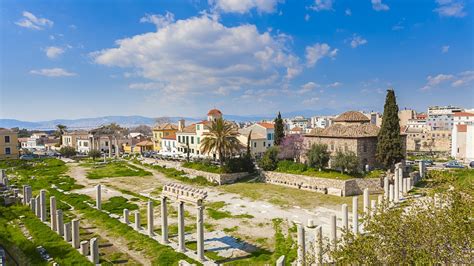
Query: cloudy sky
pixel 72 59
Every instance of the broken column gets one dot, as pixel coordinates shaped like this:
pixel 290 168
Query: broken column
pixel 26 194
pixel 404 186
pixel 75 233
pixel 67 232
pixel 333 231
pixel 200 232
pixel 355 215
pixel 60 224
pixel 164 220
pixel 396 187
pixel 373 207
pixel 391 194
pixel 366 201
pixel 409 184
pixel 318 245
pixel 281 261
pixel 422 169
pixel 150 218
pixel 385 187
pixel 301 245
pixel 43 205
pixel 52 213
pixel 33 205
pixel 98 200
pixel 38 206
pixel 181 246
pixel 84 250
pixel 400 180
pixel 94 250
pixel 125 216
pixel 137 221
pixel 345 217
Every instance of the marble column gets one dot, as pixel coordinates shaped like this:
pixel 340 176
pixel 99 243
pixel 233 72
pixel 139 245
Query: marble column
pixel 334 231
pixel 117 149
pixel 94 250
pixel 391 193
pixel 60 223
pixel 52 213
pixel 281 261
pixel 26 194
pixel 5 182
pixel 409 184
pixel 125 216
pixel 318 245
pixel 380 199
pixel 181 244
pixel 38 206
pixel 421 169
pixel 400 181
pixel 200 232
pixel 366 201
pixel 385 187
pixel 137 220
pixel 404 185
pixel 33 205
pixel 301 245
pixel 345 217
pixel 98 200
pixel 67 232
pixel 84 247
pixel 373 207
pixel 43 205
pixel 150 223
pixel 75 233
pixel 164 220
pixel 396 187
pixel 355 215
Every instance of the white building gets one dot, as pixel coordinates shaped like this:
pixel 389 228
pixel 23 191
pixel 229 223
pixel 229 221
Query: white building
pixel 441 117
pixel 83 145
pixel 462 142
pixel 169 144
pixel 321 121
pixel 298 121
pixel 263 135
pixel 35 141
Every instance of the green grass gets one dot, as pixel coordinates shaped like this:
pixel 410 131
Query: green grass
pixel 115 169
pixel 214 212
pixel 210 254
pixel 117 204
pixel 206 167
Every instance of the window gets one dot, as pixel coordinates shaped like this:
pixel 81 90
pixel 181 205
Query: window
pixel 7 139
pixel 255 144
pixel 264 144
pixel 8 150
pixel 198 140
pixel 197 127
pixel 187 139
pixel 192 140
pixel 106 143
pixel 269 136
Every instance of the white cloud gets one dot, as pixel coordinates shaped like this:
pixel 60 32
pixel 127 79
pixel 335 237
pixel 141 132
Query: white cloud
pixel 244 6
pixel 377 5
pixel 159 20
pixel 320 5
pixel 53 52
pixel 310 101
pixel 201 55
pixel 357 41
pixel 463 78
pixel 334 84
pixel 445 49
pixel 348 12
pixel 307 17
pixel 146 86
pixel 450 8
pixel 308 87
pixel 317 51
pixel 53 72
pixel 30 21
pixel 433 81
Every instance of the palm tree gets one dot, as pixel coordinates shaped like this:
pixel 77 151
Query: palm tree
pixel 222 139
pixel 60 130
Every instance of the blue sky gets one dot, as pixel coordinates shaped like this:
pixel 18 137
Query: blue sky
pixel 72 59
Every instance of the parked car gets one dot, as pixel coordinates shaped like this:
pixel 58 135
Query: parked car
pixel 453 164
pixel 29 156
pixel 471 164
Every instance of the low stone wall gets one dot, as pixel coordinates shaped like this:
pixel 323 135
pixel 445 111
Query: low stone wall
pixel 323 185
pixel 220 179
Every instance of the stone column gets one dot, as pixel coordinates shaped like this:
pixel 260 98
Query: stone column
pixel 94 250
pixel 150 223
pixel 421 169
pixel 181 245
pixel 15 192
pixel 318 245
pixel 380 199
pixel 5 182
pixel 345 217
pixel 164 221
pixel 396 187
pixel 373 207
pixel 366 201
pixel 52 213
pixel 125 216
pixel 26 194
pixel 38 206
pixel 43 205
pixel 137 221
pixel 400 181
pixel 84 248
pixel 391 193
pixel 67 232
pixel 409 184
pixel 200 232
pixel 75 233
pixel 404 185
pixel 281 261
pixel 301 245
pixel 60 223
pixel 98 200
pixel 33 205
pixel 385 187
pixel 355 215
pixel 334 231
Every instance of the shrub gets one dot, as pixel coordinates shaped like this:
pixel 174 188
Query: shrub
pixel 346 162
pixel 318 156
pixel 290 166
pixel 67 151
pixel 240 164
pixel 269 160
pixel 94 154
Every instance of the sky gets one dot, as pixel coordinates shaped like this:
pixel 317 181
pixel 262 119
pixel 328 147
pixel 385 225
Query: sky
pixel 74 59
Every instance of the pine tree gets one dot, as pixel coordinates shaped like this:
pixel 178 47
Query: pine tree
pixel 279 129
pixel 389 141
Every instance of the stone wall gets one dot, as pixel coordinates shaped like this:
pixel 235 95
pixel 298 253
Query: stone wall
pixel 323 185
pixel 220 179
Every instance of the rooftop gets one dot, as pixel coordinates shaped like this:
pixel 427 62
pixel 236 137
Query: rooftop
pixel 352 116
pixel 346 131
pixel 214 112
pixel 166 126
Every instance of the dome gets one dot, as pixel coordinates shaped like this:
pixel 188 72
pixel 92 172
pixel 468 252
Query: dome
pixel 352 116
pixel 214 112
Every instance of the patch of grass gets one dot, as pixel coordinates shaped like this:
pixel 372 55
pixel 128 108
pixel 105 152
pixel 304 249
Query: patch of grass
pixel 202 166
pixel 214 212
pixel 181 176
pixel 117 204
pixel 231 229
pixel 115 169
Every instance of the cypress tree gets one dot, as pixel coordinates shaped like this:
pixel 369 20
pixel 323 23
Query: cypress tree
pixel 389 141
pixel 279 129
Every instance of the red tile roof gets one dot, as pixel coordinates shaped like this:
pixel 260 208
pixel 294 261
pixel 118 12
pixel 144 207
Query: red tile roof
pixel 462 128
pixel 214 112
pixel 463 114
pixel 267 125
pixel 171 136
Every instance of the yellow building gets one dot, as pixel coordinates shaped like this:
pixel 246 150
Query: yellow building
pixel 161 131
pixel 8 144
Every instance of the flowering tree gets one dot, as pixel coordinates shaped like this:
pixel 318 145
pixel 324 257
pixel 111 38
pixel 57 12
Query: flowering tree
pixel 291 147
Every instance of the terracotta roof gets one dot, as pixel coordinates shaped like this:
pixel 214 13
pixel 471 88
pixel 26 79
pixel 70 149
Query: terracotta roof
pixel 266 125
pixel 171 136
pixel 463 114
pixel 166 126
pixel 462 128
pixel 22 139
pixel 189 129
pixel 214 112
pixel 144 143
pixel 296 129
pixel 352 116
pixel 346 131
pixel 6 130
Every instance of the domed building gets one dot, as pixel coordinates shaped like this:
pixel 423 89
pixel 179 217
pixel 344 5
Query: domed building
pixel 351 131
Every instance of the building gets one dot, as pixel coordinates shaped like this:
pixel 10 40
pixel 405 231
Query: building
pixel 169 144
pixel 298 121
pixel 462 147
pixel 425 140
pixel 351 131
pixel 262 137
pixel 321 121
pixel 374 117
pixel 8 144
pixel 161 131
pixel 405 115
pixel 69 139
pixel 441 117
pixel 83 145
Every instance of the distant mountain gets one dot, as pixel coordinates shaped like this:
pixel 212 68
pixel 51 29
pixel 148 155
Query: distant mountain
pixel 133 121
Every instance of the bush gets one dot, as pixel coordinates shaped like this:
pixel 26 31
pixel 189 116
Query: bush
pixel 94 154
pixel 346 162
pixel 290 166
pixel 240 164
pixel 318 156
pixel 269 161
pixel 67 151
